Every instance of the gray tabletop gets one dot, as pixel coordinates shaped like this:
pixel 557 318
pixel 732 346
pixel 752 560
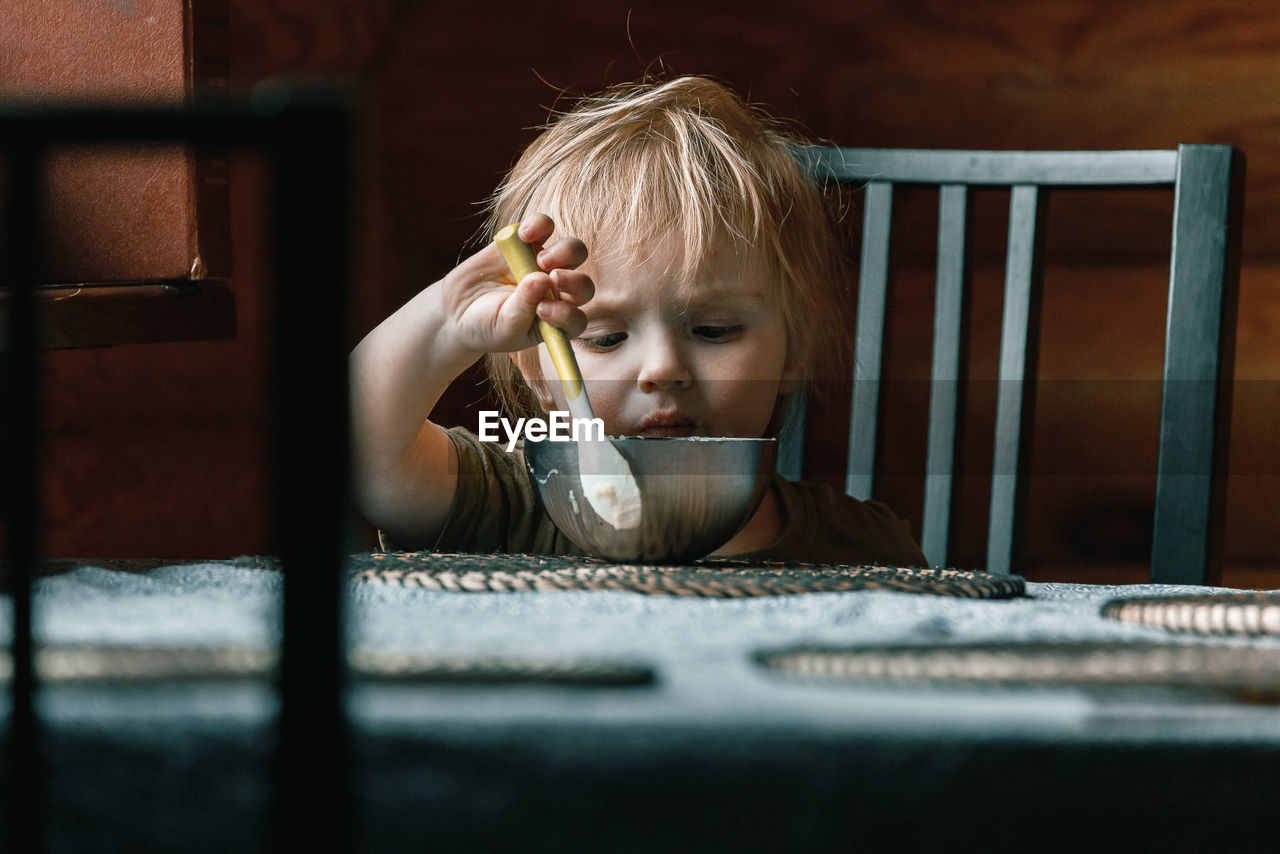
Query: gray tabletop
pixel 624 721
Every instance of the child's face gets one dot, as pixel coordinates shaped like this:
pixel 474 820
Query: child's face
pixel 659 364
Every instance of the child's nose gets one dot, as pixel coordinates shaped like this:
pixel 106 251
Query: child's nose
pixel 664 367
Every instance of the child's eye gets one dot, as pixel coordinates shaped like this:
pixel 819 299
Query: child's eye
pixel 603 342
pixel 716 333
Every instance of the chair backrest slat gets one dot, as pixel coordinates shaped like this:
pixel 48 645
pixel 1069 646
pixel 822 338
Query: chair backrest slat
pixel 1016 378
pixel 873 287
pixel 995 168
pixel 944 390
pixel 1199 325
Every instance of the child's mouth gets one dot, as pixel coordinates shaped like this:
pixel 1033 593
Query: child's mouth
pixel 668 425
pixel 666 432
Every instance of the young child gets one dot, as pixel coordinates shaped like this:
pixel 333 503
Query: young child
pixel 696 268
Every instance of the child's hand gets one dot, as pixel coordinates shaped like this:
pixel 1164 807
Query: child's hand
pixel 486 314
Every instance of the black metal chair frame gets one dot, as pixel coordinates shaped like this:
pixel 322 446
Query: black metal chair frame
pixel 1207 183
pixel 308 137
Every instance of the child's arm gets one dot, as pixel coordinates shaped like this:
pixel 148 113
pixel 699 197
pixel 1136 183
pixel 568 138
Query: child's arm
pixel 404 466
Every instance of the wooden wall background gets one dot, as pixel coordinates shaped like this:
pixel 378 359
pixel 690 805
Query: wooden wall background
pixel 158 450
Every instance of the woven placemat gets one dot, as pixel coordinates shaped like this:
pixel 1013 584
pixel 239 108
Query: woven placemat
pixel 1246 671
pixel 504 573
pixel 94 664
pixel 721 578
pixel 1243 614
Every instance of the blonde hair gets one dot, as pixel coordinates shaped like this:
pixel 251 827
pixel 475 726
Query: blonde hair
pixel 627 169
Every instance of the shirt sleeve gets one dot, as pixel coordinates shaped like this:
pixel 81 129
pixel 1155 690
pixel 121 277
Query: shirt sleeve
pixel 495 507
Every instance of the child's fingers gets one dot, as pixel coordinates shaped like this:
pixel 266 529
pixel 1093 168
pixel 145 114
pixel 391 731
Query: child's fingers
pixel 521 306
pixel 568 253
pixel 529 300
pixel 558 313
pixel 488 263
pixel 500 317
pixel 535 229
pixel 572 286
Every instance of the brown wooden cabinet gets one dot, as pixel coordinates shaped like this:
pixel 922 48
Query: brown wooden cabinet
pixel 135 242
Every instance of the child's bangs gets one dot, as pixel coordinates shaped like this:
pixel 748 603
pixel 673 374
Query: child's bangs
pixel 632 206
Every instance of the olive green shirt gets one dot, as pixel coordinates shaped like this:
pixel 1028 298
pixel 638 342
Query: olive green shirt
pixel 496 509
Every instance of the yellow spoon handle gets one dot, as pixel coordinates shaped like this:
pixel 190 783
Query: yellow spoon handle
pixel 521 262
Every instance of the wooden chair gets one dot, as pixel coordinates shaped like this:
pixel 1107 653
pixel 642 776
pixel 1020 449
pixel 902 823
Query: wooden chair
pixel 1207 188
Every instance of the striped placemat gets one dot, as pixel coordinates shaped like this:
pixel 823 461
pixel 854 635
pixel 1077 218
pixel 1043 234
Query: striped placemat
pixel 503 573
pixel 725 578
pixel 1243 614
pixel 1247 671
pixel 140 664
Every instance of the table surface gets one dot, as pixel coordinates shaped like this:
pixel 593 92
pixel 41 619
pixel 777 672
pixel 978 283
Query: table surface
pixel 628 718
